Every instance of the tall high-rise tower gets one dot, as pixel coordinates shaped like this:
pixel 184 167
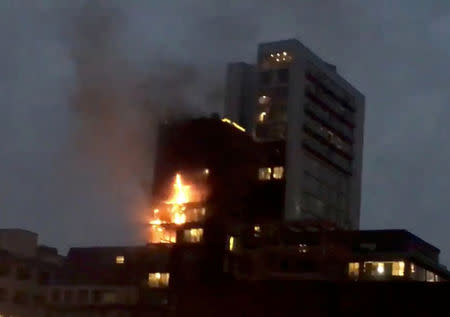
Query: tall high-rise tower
pixel 293 95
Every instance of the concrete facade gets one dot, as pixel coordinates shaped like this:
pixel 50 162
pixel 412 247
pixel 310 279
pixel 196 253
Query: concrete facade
pixel 295 96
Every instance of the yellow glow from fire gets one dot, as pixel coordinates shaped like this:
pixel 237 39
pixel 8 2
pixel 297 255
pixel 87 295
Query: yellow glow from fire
pixel 181 192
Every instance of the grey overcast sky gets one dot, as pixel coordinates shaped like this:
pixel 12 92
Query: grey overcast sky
pixel 81 85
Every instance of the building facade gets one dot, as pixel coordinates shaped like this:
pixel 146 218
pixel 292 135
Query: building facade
pixel 26 271
pixel 293 95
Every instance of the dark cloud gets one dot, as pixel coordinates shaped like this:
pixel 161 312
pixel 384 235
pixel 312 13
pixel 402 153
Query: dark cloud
pixel 77 80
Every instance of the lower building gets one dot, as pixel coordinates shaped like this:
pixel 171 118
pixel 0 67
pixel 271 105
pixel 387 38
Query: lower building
pixel 26 271
pixel 270 267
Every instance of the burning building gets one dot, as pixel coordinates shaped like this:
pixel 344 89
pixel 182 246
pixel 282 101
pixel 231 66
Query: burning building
pixel 220 198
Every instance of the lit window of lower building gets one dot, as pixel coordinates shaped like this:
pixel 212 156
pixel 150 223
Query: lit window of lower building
pixel 256 231
pixel 413 268
pixel 264 173
pixel 398 268
pixel 430 276
pixel 385 268
pixel 158 280
pixel 380 268
pixel 278 172
pixel 353 269
pixel 120 259
pixel 193 235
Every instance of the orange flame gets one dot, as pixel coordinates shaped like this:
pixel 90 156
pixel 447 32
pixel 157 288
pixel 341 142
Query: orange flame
pixel 174 213
pixel 181 193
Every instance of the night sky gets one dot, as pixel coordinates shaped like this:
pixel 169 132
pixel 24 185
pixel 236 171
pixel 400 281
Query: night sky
pixel 82 85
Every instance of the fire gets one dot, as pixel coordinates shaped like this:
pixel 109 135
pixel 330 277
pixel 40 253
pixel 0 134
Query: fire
pixel 172 212
pixel 181 193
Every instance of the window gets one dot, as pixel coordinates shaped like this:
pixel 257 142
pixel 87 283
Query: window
pixel 194 214
pixel 67 296
pixel 430 276
pixel 231 242
pixel 283 75
pixel 380 268
pixel 262 116
pixel 353 269
pixel 120 259
pixel 159 234
pixel 266 77
pixel 5 269
pixel 83 296
pixel 278 172
pixel 44 278
pixel 257 231
pixel 389 268
pixel 109 297
pixel 20 297
pixel 158 280
pixel 97 296
pixel 193 235
pixel 3 294
pixel 23 273
pixel 398 268
pixel 264 173
pixel 56 295
pixel 413 268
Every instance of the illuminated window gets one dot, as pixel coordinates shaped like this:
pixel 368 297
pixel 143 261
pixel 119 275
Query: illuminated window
pixel 262 116
pixel 353 269
pixel 430 276
pixel 194 235
pixel 158 279
pixel 398 268
pixel 413 268
pixel 109 297
pixel 389 268
pixel 231 243
pixel 380 268
pixel 257 230
pixel 278 172
pixel 159 234
pixel 195 214
pixel 120 259
pixel 264 173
